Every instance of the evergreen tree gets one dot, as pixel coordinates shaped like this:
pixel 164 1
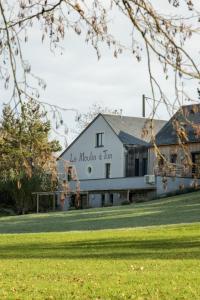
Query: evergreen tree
pixel 27 160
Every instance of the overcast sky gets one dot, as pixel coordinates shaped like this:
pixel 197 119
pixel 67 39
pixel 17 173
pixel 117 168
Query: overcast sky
pixel 77 78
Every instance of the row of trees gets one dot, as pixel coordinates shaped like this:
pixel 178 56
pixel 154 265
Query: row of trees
pixel 27 160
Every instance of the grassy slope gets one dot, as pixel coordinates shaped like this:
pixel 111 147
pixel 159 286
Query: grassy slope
pixel 174 210
pixel 146 263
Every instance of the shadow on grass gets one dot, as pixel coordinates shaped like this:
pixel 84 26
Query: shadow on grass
pixel 175 210
pixel 179 248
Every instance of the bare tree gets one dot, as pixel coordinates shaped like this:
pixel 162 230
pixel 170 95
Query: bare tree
pixel 83 120
pixel 163 37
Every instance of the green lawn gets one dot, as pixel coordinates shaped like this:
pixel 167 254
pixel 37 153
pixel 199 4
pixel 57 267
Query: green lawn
pixel 159 262
pixel 175 210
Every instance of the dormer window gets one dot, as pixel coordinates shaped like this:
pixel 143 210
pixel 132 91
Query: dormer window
pixel 99 139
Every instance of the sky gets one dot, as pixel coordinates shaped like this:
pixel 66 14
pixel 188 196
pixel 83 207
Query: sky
pixel 77 79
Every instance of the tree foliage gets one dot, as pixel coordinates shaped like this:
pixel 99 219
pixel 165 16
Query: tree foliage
pixel 24 143
pixel 27 156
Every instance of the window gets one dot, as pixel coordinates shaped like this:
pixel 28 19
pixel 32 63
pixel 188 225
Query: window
pixel 196 164
pixel 107 167
pixel 161 161
pixel 99 139
pixel 111 199
pixel 144 166
pixel 137 169
pixel 102 199
pixel 69 175
pixel 173 158
pixel 89 170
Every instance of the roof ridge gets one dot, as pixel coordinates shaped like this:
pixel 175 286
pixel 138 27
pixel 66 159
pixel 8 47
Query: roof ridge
pixel 142 118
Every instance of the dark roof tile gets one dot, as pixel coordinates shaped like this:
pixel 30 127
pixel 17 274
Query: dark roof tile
pixel 129 129
pixel 186 116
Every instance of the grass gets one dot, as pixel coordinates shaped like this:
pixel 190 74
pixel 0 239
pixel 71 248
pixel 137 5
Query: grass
pixel 174 210
pixel 160 262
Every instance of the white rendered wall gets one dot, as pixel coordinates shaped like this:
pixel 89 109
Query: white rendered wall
pixel 84 153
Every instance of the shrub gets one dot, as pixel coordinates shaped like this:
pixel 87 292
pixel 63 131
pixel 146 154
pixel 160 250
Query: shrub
pixel 125 202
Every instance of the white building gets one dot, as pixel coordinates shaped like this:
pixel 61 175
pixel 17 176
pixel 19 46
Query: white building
pixel 112 160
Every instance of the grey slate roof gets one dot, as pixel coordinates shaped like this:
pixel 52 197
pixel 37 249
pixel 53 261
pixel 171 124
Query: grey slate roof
pixel 129 129
pixel 185 115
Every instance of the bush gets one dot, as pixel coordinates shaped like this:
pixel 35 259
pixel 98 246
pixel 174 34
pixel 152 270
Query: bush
pixel 6 212
pixel 125 202
pixel 107 204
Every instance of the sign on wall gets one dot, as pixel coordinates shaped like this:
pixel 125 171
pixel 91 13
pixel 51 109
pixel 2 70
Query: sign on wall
pixel 83 157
